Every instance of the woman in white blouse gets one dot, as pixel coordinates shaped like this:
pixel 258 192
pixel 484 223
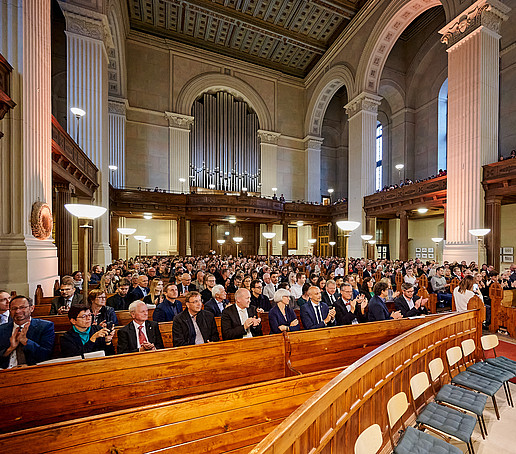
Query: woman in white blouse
pixel 464 292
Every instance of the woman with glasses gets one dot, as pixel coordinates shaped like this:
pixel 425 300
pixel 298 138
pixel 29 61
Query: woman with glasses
pixel 281 316
pixel 102 315
pixel 84 337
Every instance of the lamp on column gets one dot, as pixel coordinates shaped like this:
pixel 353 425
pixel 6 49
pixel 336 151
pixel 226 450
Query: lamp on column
pixel 182 181
pixel 79 113
pixel 372 242
pixel 147 241
pixel 139 238
pixel 366 238
pixel 312 241
pixel 221 242
pixel 86 212
pixel 332 243
pixel 269 236
pixel 237 240
pixel 282 243
pixel 347 227
pixel 399 168
pixel 126 231
pixel 480 234
pixel 330 192
pixel 437 240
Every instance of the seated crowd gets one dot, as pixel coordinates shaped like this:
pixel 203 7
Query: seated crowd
pixel 193 291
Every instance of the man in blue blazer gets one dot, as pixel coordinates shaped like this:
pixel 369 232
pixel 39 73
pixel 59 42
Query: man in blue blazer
pixel 316 314
pixel 25 340
pixel 170 307
pixel 218 303
pixel 377 308
pixel 141 290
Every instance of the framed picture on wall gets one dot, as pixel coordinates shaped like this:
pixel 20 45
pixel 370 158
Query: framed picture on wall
pixel 423 249
pixel 431 255
pixel 424 255
pixel 508 258
pixel 418 249
pixel 508 251
pixel 418 255
pixel 430 250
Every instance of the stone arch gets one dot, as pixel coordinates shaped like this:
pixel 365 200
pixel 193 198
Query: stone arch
pixel 213 82
pixel 117 77
pixel 334 79
pixel 395 19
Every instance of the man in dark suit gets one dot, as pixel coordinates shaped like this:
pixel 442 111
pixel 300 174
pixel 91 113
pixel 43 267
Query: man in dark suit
pixel 406 304
pixel 259 300
pixel 349 310
pixel 141 290
pixel 240 320
pixel 218 303
pixel 194 326
pixel 377 309
pixel 316 314
pixel 186 284
pixel 140 335
pixel 120 300
pixel 330 294
pixel 25 340
pixel 68 297
pixel 170 307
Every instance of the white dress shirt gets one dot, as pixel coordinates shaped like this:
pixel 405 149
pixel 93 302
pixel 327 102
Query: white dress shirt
pixel 242 313
pixel 13 357
pixel 136 327
pixel 4 318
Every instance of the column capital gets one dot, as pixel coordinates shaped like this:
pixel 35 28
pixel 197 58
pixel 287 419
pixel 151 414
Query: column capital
pixel 269 137
pixel 368 102
pixel 483 13
pixel 180 121
pixel 87 23
pixel 62 186
pixel 313 143
pixel 117 106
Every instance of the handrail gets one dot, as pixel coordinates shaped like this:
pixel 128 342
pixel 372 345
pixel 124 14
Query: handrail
pixel 357 397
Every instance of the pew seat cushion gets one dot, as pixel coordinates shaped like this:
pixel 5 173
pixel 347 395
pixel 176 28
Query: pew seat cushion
pixel 448 420
pixel 416 442
pixel 463 398
pixel 490 371
pixel 477 382
pixel 503 362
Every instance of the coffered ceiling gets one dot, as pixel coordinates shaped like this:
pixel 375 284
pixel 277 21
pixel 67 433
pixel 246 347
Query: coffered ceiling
pixel 287 35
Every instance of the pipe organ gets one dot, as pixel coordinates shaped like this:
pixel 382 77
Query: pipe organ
pixel 225 149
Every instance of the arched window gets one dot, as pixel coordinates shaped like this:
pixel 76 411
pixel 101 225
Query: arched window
pixel 379 156
pixel 442 126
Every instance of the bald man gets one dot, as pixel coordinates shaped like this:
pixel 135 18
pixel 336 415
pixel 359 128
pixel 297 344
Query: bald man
pixel 240 320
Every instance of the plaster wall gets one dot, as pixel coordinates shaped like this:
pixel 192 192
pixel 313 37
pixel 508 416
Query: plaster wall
pixel 162 232
pixel 508 238
pixel 420 232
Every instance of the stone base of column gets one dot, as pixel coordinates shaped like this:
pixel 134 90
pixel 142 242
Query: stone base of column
pixel 101 254
pixel 460 252
pixel 31 262
pixel 355 244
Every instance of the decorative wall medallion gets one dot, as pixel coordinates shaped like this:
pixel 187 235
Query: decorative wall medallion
pixel 41 220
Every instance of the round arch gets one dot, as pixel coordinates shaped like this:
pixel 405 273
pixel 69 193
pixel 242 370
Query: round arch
pixel 395 19
pixel 213 82
pixel 332 81
pixel 117 85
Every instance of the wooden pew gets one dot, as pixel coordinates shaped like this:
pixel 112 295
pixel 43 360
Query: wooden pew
pixel 503 309
pixel 232 420
pixel 52 393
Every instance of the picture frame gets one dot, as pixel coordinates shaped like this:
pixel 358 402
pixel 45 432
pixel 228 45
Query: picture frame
pixel 418 249
pixel 508 251
pixel 418 254
pixel 423 249
pixel 508 258
pixel 431 256
pixel 430 250
pixel 424 255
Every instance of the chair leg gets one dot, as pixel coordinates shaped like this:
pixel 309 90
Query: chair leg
pixel 506 395
pixel 496 408
pixel 484 424
pixel 471 444
pixel 481 428
pixel 509 393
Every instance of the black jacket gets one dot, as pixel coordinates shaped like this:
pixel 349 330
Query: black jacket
pixel 183 332
pixel 71 344
pixel 127 342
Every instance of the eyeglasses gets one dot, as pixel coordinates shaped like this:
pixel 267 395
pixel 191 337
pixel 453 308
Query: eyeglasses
pixel 85 316
pixel 100 298
pixel 20 308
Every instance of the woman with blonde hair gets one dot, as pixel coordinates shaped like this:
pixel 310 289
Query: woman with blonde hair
pixel 464 292
pixel 155 295
pixel 107 284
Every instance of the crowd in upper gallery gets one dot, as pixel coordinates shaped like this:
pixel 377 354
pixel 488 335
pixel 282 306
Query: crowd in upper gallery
pixel 296 292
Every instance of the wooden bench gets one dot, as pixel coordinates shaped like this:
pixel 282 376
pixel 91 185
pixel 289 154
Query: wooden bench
pixel 503 309
pixel 51 393
pixel 230 420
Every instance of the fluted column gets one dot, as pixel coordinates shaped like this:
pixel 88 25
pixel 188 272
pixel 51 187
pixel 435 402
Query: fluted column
pixel 63 228
pixel 117 120
pixel 403 235
pixel 363 116
pixel 473 117
pixel 87 39
pixel 313 168
pixel 493 239
pixel 269 161
pixel 25 149
pixel 179 151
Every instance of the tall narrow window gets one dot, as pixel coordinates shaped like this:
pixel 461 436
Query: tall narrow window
pixel 379 156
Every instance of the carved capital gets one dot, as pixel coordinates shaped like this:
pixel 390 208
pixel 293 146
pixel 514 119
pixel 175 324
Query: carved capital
pixel 313 143
pixel 118 107
pixel 269 136
pixel 363 102
pixel 483 13
pixel 87 23
pixel 180 121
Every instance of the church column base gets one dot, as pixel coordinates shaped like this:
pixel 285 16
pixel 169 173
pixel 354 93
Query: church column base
pixel 101 254
pixel 460 252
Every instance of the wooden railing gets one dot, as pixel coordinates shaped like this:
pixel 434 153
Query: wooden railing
pixel 503 309
pixel 331 419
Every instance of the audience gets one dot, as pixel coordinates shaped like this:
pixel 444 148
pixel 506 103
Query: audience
pixel 240 320
pixel 102 314
pixel 5 299
pixel 61 304
pixel 170 307
pixel 281 316
pixel 316 314
pixel 218 302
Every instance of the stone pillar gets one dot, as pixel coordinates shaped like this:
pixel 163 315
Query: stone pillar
pixel 114 235
pixel 313 168
pixel 284 248
pixel 25 149
pixel 87 39
pixel 269 161
pixel 117 120
pixel 363 115
pixel 179 151
pixel 370 229
pixel 403 235
pixel 494 238
pixel 181 236
pixel 473 42
pixel 63 228
pixel 213 243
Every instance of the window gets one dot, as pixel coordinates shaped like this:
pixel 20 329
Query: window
pixel 379 156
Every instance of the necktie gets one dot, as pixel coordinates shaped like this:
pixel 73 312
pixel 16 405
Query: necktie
pixel 20 355
pixel 141 335
pixel 318 312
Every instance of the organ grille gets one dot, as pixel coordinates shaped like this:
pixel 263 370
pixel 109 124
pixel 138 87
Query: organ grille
pixel 225 150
